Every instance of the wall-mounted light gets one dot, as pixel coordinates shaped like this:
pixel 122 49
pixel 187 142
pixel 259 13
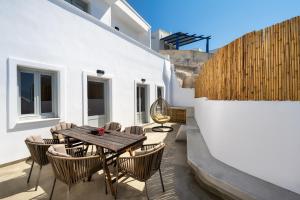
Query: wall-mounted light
pixel 143 80
pixel 101 72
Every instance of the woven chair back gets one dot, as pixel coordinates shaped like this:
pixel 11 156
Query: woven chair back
pixel 71 170
pixel 137 130
pixel 113 126
pixel 38 150
pixel 144 166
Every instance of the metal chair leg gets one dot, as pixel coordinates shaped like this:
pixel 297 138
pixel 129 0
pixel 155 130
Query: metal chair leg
pixel 38 178
pixel 161 180
pixel 146 190
pixel 52 188
pixel 30 172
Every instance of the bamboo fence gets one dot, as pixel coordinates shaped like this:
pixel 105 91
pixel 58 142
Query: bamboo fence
pixel 261 65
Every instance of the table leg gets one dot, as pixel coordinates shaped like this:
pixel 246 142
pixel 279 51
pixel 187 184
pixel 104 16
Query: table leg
pixel 106 170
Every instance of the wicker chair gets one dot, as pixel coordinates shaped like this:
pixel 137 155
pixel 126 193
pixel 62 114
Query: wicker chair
pixel 113 126
pixel 144 166
pixel 71 170
pixel 38 155
pixel 137 130
pixel 159 112
pixel 62 126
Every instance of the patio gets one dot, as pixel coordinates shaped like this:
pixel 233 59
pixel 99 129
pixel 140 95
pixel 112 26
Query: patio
pixel 178 179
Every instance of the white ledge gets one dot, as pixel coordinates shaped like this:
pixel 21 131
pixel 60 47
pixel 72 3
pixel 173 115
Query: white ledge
pixel 37 120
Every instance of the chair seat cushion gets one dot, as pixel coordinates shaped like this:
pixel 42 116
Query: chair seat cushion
pixel 61 126
pixel 126 154
pixel 162 118
pixel 58 150
pixel 36 139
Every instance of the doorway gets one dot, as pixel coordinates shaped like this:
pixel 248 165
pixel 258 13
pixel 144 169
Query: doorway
pixel 97 90
pixel 141 104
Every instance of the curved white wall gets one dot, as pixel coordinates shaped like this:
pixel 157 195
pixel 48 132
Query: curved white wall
pixel 181 96
pixel 260 138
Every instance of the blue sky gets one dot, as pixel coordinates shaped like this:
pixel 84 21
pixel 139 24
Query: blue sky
pixel 224 20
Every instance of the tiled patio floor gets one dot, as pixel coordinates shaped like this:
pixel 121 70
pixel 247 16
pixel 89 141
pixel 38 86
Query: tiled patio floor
pixel 178 179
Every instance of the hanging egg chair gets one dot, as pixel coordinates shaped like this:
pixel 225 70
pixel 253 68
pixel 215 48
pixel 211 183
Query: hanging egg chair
pixel 159 113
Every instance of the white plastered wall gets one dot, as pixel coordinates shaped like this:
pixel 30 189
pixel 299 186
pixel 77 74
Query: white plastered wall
pixel 260 138
pixel 41 31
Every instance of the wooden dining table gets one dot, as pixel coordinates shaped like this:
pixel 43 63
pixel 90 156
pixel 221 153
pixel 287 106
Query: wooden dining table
pixel 116 142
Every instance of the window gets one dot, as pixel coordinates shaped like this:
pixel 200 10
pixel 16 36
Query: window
pixel 37 93
pixel 79 4
pixel 160 92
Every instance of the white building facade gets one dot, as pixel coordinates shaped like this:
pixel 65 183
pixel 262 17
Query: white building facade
pixel 64 63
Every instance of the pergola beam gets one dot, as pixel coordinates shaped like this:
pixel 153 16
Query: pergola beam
pixel 180 39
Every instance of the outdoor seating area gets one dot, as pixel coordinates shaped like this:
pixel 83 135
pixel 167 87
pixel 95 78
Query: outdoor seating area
pixel 79 174
pixel 122 99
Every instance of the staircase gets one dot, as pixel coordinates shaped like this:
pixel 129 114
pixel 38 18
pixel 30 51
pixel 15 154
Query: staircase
pixel 187 64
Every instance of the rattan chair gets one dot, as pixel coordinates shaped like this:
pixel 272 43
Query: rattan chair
pixel 113 126
pixel 142 167
pixel 38 155
pixel 62 139
pixel 159 112
pixel 71 170
pixel 137 130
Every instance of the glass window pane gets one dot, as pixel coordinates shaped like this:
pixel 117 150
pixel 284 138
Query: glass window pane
pixel 143 99
pixel 138 99
pixel 159 92
pixel 96 104
pixel 27 93
pixel 79 4
pixel 46 94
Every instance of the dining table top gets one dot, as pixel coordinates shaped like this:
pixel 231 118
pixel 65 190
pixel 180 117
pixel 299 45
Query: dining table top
pixel 113 140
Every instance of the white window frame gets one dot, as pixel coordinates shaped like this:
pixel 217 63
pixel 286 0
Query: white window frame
pixel 147 106
pixel 37 94
pixel 109 108
pixel 13 65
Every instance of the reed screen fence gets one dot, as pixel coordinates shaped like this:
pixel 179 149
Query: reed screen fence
pixel 261 65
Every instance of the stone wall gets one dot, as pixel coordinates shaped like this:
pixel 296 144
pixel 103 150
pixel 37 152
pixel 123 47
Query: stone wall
pixel 187 64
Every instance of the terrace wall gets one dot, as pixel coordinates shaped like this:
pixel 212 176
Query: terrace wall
pixel 260 138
